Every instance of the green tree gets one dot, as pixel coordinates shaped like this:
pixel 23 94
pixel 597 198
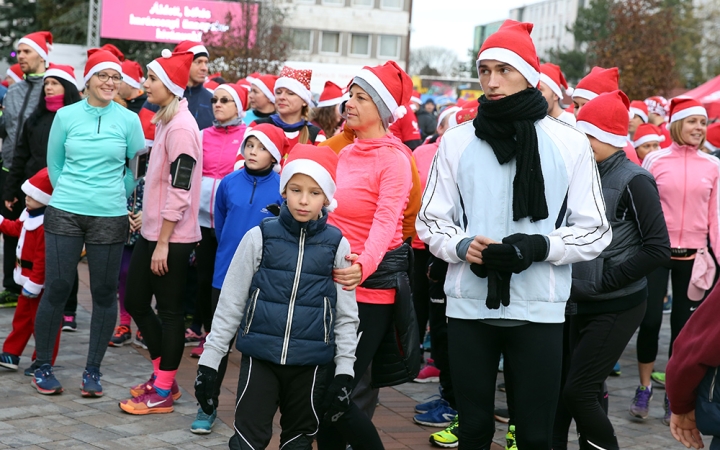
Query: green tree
pixel 66 19
pixel 17 18
pixel 592 25
pixel 572 62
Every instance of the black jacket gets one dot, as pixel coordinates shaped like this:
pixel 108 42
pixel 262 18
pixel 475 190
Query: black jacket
pixel 30 154
pixel 136 104
pixel 397 360
pixel 426 122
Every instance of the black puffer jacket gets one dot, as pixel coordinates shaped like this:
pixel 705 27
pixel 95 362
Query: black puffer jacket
pixel 397 360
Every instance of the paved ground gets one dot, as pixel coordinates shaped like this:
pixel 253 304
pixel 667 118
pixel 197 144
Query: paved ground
pixel 32 421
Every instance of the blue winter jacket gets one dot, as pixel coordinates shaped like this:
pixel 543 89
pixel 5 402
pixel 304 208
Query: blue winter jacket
pixel 199 105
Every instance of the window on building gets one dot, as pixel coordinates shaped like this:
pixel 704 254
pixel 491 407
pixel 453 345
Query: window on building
pixel 334 2
pixel 312 2
pixel 389 47
pixel 391 4
pixel 330 42
pixel 302 40
pixel 360 45
pixel 364 3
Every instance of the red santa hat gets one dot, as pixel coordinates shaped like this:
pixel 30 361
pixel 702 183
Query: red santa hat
pixel 597 82
pixel 466 114
pixel 331 95
pixel 639 108
pixel 211 85
pixel 64 72
pixel 513 45
pixel 196 48
pixel 40 41
pixel 415 97
pixel 606 118
pixel 391 84
pixel 657 105
pixel 173 69
pixel 712 137
pixel 132 73
pixel 296 80
pixel 272 138
pixel 114 50
pixel 238 94
pixel 319 163
pixel 551 75
pixel 647 132
pixel 253 76
pixel 266 84
pixel 682 107
pixel 245 84
pixel 449 111
pixel 15 72
pixel 39 187
pixel 100 60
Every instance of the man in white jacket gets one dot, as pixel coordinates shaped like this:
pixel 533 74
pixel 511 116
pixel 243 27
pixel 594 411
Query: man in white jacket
pixel 513 198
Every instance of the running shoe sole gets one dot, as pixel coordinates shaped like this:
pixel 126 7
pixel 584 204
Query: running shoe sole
pixel 427 380
pixel 139 344
pixel 69 328
pixel 90 394
pixel 433 424
pixel 443 444
pixel 639 416
pixel 8 305
pixel 142 412
pixel 202 430
pixel 10 366
pixel 46 391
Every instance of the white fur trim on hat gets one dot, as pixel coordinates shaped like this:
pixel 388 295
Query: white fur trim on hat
pixel 615 140
pixel 416 100
pixel 648 138
pixel 451 110
pixel 132 82
pixel 331 102
pixel 687 112
pixel 234 95
pixel 12 75
pixel 102 66
pixel 43 54
pixel 552 85
pixel 266 142
pixel 639 112
pixel 199 49
pixel 155 66
pixel 314 170
pixel 265 90
pixel 57 73
pixel 295 86
pixel 584 93
pixel 387 98
pixel 709 146
pixel 512 58
pixel 36 193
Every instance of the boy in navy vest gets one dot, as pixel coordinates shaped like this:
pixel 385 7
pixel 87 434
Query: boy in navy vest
pixel 295 323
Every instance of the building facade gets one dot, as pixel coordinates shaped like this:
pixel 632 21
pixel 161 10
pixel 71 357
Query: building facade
pixel 483 31
pixel 551 19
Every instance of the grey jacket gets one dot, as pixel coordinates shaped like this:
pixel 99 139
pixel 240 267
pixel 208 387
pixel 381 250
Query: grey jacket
pixel 236 291
pixel 20 101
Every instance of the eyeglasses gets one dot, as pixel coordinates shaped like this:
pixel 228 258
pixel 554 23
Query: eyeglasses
pixel 222 100
pixel 103 77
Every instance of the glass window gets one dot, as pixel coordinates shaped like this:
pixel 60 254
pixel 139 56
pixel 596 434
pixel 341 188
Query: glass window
pixel 305 1
pixel 330 42
pixel 366 3
pixel 389 47
pixel 391 4
pixel 334 2
pixel 360 45
pixel 302 40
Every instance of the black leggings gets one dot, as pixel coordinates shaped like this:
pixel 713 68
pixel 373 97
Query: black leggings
pixel 596 343
pixel 164 332
pixel 439 341
pixel 420 290
pixel 682 308
pixel 475 349
pixel 355 427
pixel 205 257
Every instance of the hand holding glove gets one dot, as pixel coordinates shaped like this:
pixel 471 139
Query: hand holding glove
pixel 205 388
pixel 337 398
pixel 516 253
pixel 498 285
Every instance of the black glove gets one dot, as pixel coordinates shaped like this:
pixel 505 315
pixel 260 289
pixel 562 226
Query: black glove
pixel 205 388
pixel 498 289
pixel 337 398
pixel 516 253
pixel 436 269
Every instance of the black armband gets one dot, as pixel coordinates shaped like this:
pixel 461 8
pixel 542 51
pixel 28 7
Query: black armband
pixel 181 171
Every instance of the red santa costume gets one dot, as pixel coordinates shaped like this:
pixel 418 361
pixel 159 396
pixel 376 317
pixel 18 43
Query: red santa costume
pixel 30 267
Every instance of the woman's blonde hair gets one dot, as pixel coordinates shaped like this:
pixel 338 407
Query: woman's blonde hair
pixel 166 113
pixel 676 133
pixel 305 132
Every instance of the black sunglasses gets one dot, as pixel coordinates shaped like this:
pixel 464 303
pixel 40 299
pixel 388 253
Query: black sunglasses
pixel 221 100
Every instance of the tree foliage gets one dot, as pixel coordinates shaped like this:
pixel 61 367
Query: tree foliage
pixel 243 49
pixel 436 61
pixel 573 63
pixel 17 18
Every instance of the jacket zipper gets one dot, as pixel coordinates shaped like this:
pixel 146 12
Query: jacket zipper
pixel 252 196
pixel 99 120
pixel 251 313
pixel 327 309
pixel 293 295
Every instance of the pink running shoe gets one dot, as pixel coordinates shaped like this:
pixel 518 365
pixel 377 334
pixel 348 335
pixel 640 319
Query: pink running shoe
pixel 192 339
pixel 147 387
pixel 198 351
pixel 429 374
pixel 150 403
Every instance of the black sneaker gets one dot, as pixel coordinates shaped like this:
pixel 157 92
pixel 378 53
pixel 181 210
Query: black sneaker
pixel 9 361
pixel 139 341
pixel 502 415
pixel 8 299
pixel 30 371
pixel 122 336
pixel 501 387
pixel 69 323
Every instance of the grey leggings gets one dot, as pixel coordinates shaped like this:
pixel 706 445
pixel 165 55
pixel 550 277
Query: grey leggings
pixel 62 255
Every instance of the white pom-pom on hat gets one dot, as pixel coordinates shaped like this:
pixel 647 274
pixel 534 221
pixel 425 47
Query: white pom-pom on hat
pixel 400 112
pixel 166 53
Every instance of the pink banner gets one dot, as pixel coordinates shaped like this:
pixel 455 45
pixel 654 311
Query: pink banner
pixel 169 20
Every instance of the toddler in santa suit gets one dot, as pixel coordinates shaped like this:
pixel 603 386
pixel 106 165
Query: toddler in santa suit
pixel 29 267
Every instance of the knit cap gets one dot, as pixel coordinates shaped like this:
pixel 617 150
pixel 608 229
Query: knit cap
pixel 173 69
pixel 64 72
pixel 597 82
pixel 552 76
pixel 296 80
pixel 15 72
pixel 319 163
pixel 100 60
pixel 266 84
pixel 639 108
pixel 238 94
pixel 132 73
pixel 40 41
pixel 389 87
pixel 331 95
pixel 606 118
pixel 512 44
pixel 683 107
pixel 271 137
pixel 647 132
pixel 196 48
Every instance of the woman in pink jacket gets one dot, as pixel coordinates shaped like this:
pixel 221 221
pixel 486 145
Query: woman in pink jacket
pixel 373 185
pixel 170 231
pixel 220 144
pixel 688 181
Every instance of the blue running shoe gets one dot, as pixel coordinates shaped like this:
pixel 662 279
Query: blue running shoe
pixel 45 382
pixel 9 361
pixel 91 386
pixel 615 372
pixel 431 403
pixel 203 423
pixel 30 371
pixel 440 417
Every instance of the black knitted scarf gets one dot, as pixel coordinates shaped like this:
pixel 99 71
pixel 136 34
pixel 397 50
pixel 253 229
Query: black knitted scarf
pixel 508 125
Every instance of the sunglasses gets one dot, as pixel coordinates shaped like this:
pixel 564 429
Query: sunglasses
pixel 221 100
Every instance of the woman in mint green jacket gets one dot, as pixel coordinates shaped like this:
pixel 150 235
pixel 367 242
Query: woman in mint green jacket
pixel 89 144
